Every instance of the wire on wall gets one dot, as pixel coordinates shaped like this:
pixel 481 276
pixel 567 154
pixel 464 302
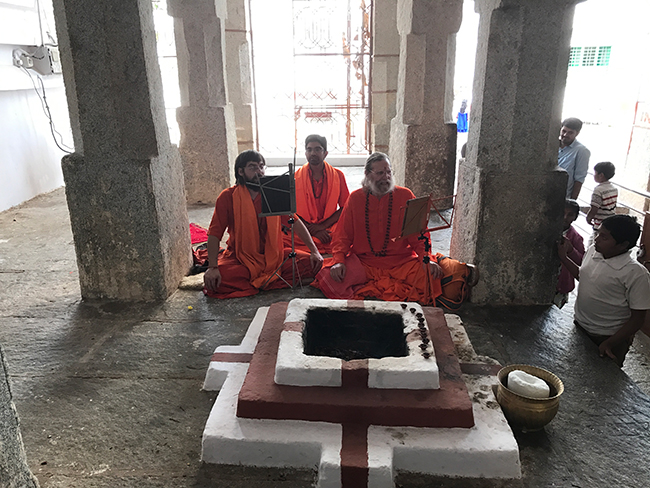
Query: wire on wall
pixel 46 109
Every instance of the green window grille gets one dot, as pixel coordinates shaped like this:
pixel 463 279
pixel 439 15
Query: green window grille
pixel 589 56
pixel 603 55
pixel 575 56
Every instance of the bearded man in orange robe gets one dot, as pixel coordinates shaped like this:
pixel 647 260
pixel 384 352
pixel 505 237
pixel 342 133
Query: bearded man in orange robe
pixel 372 262
pixel 321 193
pixel 255 249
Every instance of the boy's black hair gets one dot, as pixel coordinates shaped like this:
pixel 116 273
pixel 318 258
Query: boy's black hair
pixel 623 228
pixel 316 138
pixel 606 168
pixel 572 123
pixel 242 160
pixel 573 205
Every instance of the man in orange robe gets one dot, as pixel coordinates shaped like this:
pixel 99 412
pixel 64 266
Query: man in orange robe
pixel 371 262
pixel 321 193
pixel 255 248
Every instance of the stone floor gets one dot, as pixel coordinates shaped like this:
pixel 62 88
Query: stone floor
pixel 109 395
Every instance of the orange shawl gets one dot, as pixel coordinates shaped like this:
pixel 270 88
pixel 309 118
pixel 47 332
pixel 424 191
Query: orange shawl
pixel 247 238
pixel 305 201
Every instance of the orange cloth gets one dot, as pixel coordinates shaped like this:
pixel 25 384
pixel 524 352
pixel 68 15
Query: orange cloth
pixel 399 275
pixel 236 280
pixel 261 265
pixel 333 191
pixel 254 248
pixel 350 235
pixel 406 282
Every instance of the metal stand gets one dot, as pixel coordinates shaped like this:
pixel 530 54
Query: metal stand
pixel 426 259
pixel 292 255
pixel 294 266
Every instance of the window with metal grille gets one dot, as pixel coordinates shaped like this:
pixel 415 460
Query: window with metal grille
pixel 574 56
pixel 603 55
pixel 589 56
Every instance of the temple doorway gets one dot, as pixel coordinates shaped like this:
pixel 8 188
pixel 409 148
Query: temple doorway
pixel 312 73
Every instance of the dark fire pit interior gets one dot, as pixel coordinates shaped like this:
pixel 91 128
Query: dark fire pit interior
pixel 353 334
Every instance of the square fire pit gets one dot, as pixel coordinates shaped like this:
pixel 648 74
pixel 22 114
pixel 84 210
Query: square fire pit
pixel 319 335
pixel 357 435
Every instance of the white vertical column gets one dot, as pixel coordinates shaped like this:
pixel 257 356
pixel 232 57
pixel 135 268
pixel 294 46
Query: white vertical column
pixel 208 144
pixel 423 136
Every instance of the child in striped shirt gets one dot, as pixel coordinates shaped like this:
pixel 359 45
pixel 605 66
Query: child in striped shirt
pixel 603 200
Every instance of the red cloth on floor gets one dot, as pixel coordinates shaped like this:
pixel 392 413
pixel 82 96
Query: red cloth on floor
pixel 198 234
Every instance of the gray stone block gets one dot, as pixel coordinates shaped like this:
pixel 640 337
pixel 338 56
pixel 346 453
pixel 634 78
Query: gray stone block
pixel 130 226
pixel 14 471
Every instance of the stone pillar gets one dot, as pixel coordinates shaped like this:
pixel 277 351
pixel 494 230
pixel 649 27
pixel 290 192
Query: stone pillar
pixel 385 65
pixel 124 183
pixel 239 69
pixel 510 199
pixel 206 120
pixel 14 470
pixel 423 136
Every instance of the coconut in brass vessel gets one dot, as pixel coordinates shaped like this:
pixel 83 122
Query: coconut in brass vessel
pixel 526 413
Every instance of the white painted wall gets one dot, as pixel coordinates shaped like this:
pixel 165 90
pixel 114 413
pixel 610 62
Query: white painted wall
pixel 605 97
pixel 30 162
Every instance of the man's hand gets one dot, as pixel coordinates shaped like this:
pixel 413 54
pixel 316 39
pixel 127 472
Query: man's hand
pixel 593 210
pixel 435 270
pixel 316 261
pixel 624 334
pixel 320 231
pixel 337 272
pixel 212 278
pixel 323 235
pixel 313 228
pixel 564 247
pixel 605 348
pixel 576 190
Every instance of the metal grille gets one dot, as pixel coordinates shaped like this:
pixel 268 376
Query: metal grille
pixel 589 56
pixel 603 55
pixel 332 72
pixel 575 56
pixel 326 74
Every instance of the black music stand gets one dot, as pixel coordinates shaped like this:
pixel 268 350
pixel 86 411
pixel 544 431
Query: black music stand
pixel 279 198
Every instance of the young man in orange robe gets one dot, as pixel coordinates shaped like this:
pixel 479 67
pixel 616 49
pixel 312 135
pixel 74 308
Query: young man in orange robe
pixel 321 193
pixel 255 247
pixel 371 262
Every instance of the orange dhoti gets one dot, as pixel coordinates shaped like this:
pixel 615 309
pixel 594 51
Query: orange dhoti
pixel 407 282
pixel 236 278
pixel 254 249
pixel 379 264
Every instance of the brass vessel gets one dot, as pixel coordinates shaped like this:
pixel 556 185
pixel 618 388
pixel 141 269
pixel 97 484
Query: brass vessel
pixel 529 414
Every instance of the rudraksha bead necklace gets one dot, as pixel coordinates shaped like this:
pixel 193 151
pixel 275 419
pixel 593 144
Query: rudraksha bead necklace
pixel 382 252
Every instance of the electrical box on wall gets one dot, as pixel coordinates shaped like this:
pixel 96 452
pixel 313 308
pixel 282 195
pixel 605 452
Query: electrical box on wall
pixel 46 60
